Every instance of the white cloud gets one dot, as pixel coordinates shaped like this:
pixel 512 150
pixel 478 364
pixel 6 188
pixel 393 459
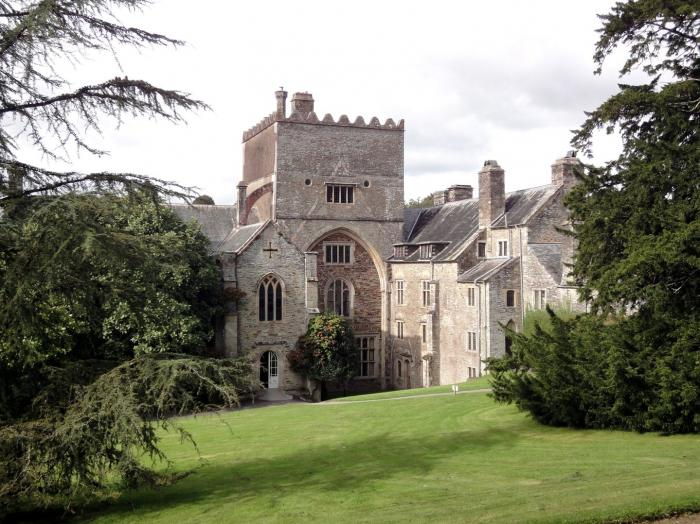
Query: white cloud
pixel 473 80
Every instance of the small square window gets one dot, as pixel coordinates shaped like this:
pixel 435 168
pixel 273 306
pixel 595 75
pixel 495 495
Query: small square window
pixel 481 249
pixel 510 298
pixel 338 254
pixel 502 248
pixel 339 194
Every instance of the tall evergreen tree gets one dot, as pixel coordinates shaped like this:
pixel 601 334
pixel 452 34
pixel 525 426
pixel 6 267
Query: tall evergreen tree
pixel 635 361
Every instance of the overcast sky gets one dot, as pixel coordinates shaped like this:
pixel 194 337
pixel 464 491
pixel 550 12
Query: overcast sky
pixel 503 80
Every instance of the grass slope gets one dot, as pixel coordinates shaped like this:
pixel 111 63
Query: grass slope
pixel 430 459
pixel 470 385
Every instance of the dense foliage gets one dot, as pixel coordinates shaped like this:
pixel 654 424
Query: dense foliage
pixel 102 277
pixel 635 361
pixel 87 428
pixel 106 298
pixel 426 201
pixel 106 305
pixel 327 352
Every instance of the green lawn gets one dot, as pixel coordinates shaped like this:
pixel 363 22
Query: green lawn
pixel 429 459
pixel 470 385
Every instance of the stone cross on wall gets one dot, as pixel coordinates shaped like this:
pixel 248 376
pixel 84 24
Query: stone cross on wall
pixel 269 250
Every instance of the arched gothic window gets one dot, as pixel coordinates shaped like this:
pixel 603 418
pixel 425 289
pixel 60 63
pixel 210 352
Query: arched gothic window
pixel 339 298
pixel 270 299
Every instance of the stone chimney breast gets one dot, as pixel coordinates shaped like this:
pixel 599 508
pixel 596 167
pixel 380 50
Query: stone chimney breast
pixel 564 170
pixel 281 97
pixel 302 103
pixel 492 193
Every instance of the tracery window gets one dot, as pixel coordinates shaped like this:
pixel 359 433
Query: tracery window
pixel 339 298
pixel 270 299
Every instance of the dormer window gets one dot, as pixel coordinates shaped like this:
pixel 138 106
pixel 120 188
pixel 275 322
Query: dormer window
pixel 400 251
pixel 427 251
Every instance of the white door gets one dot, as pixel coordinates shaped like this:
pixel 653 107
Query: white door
pixel 273 372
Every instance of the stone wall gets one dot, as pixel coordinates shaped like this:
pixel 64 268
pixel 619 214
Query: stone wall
pixel 257 336
pixel 259 155
pixel 311 156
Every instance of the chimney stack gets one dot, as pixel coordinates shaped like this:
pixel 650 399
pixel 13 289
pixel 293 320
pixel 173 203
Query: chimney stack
pixel 459 192
pixel 453 194
pixel 242 196
pixel 564 170
pixel 281 96
pixel 302 103
pixel 492 193
pixel 439 198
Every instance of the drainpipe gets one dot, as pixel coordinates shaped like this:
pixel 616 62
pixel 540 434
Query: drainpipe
pixel 478 324
pixel 522 286
pixel 238 307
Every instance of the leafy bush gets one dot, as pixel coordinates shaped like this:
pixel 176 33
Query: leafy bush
pixel 595 372
pixel 327 352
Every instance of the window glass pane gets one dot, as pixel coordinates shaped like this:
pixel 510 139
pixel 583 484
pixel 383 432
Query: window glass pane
pixel 278 302
pixel 336 194
pixel 270 301
pixel 350 190
pixel 329 194
pixel 261 302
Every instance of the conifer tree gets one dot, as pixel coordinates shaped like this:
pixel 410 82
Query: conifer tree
pixel 634 362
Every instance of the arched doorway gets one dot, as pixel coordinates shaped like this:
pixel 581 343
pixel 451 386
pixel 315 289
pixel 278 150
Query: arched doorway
pixel 269 370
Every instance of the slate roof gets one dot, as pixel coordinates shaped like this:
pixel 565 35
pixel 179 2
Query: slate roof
pixel 454 223
pixel 216 221
pixel 238 238
pixel 549 255
pixel 485 269
pixel 521 205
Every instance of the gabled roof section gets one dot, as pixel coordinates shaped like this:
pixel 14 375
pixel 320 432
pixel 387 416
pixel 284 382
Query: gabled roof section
pixel 549 255
pixel 486 269
pixel 452 223
pixel 521 205
pixel 216 222
pixel 241 237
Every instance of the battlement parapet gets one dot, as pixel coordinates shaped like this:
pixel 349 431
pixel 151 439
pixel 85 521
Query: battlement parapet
pixel 327 120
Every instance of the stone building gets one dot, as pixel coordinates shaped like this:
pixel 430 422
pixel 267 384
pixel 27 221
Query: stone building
pixel 320 226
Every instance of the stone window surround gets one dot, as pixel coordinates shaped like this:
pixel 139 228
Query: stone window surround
pixel 472 345
pixel 372 361
pixel 346 191
pixel 426 295
pixel 513 294
pixel 272 279
pixel 539 298
pixel 400 292
pixel 338 243
pixel 399 329
pixel 471 296
pixel 351 302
